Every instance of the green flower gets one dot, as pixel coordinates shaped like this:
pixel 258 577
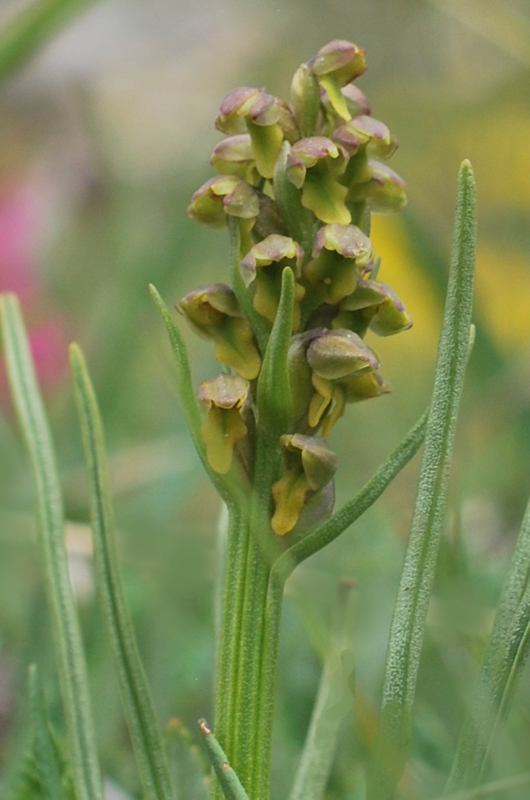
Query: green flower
pixel 322 363
pixel 263 265
pixel 373 305
pixel 383 189
pixel 234 156
pixel 335 357
pixel 309 468
pixel 214 313
pixel 225 194
pixel 225 399
pixel 335 65
pixel 314 165
pixel 340 255
pixel 266 119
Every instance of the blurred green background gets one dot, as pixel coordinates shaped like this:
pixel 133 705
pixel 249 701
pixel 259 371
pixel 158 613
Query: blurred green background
pixel 104 137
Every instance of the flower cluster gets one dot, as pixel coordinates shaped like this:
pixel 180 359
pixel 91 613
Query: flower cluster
pixel 296 185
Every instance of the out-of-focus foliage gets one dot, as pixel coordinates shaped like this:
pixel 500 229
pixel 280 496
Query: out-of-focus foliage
pixel 104 138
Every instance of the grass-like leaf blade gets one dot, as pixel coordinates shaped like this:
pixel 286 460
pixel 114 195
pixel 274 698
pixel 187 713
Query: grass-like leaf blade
pixel 490 701
pixel 46 758
pixel 32 28
pixel 67 636
pixel 143 727
pixel 333 702
pixel 393 740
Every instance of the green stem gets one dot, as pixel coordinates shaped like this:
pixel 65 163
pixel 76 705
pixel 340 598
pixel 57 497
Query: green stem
pixel 234 594
pixel 269 660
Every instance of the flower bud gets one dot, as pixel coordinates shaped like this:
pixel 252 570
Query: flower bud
pixel 310 466
pixel 264 116
pixel 214 313
pixel 314 165
pixel 264 264
pixel 341 252
pixel 335 65
pixel 305 100
pixel 225 398
pixel 225 194
pixel 339 353
pixel 234 156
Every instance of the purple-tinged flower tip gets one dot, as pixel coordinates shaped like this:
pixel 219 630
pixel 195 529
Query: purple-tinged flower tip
pixel 314 165
pixel 225 399
pixel 341 58
pixel 307 153
pixel 234 156
pixel 341 252
pixel 310 466
pixel 222 195
pixel 368 132
pixel 265 117
pixel 264 264
pixel 384 191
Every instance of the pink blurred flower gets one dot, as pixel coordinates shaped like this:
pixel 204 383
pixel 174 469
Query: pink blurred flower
pixel 21 223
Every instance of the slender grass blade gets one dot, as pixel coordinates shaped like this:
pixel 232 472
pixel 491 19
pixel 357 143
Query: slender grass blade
pixel 393 740
pixel 67 636
pixel 143 727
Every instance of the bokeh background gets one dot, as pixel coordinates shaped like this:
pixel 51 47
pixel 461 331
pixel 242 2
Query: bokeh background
pixel 104 137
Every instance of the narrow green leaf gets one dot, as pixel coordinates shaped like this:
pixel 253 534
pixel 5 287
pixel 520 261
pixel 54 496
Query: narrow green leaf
pixel 230 783
pixel 46 760
pixel 488 789
pixel 228 485
pixel 32 28
pixel 67 636
pixel 392 744
pixel 138 707
pixel 505 650
pixel 333 702
pixel 347 515
pixel 275 405
pixel 300 221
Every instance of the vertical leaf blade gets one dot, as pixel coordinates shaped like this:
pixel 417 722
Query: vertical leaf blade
pixel 67 636
pixel 392 745
pixel 32 28
pixel 47 763
pixel 139 712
